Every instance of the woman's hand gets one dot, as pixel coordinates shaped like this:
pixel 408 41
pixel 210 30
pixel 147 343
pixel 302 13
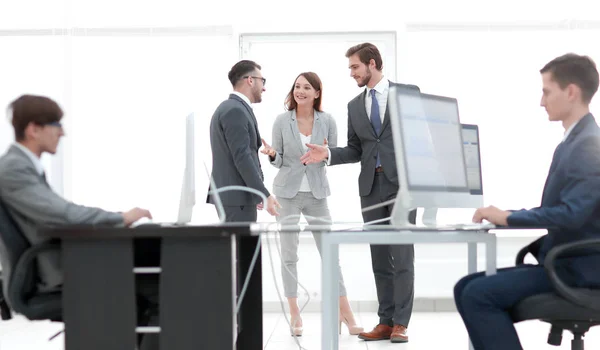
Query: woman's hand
pixel 268 150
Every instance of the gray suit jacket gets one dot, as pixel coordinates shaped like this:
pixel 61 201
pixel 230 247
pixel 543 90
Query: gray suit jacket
pixel 235 140
pixel 286 141
pixel 32 204
pixel 363 144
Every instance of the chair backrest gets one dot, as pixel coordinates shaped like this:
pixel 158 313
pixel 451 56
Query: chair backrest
pixel 12 245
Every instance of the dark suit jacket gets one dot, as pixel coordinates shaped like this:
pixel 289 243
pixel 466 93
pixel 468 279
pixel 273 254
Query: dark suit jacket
pixel 571 198
pixel 235 140
pixel 363 144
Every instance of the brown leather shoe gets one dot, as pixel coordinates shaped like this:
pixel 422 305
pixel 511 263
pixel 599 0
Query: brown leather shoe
pixel 380 332
pixel 399 334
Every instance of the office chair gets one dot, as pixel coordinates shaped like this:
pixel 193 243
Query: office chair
pixel 573 309
pixel 20 277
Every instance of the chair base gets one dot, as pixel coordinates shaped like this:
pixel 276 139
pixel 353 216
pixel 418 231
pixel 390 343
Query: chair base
pixel 577 328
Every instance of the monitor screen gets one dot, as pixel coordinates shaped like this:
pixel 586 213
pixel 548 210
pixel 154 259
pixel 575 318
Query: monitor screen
pixel 470 135
pixel 432 142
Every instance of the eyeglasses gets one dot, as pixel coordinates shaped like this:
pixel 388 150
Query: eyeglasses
pixel 57 124
pixel 261 78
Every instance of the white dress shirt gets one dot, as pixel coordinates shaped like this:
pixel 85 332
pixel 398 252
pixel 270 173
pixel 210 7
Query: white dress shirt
pixel 382 90
pixel 243 97
pixel 37 162
pixel 304 185
pixel 568 132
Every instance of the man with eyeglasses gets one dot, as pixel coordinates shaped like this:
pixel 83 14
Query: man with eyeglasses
pixel 235 140
pixel 31 202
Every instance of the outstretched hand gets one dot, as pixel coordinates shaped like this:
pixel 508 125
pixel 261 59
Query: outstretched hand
pixel 316 153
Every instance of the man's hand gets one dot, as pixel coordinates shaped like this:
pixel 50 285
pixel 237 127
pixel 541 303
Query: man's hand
pixel 492 214
pixel 268 150
pixel 315 154
pixel 133 215
pixel 260 206
pixel 273 205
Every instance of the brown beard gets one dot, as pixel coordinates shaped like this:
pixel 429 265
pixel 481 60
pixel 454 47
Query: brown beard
pixel 366 79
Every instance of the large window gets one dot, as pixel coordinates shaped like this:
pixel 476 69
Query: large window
pixel 32 65
pixel 130 99
pixel 495 76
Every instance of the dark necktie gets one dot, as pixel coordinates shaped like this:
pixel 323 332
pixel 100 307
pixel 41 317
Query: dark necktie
pixel 375 120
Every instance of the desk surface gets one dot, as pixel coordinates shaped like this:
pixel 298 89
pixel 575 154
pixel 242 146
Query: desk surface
pixel 241 229
pixel 147 231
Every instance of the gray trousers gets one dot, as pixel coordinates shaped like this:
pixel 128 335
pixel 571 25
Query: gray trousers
pixel 393 265
pixel 303 203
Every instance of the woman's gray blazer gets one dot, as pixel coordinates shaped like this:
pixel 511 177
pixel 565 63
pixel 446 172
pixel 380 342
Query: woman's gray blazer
pixel 288 146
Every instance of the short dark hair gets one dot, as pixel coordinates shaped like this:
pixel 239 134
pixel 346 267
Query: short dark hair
pixel 574 69
pixel 366 52
pixel 39 110
pixel 241 69
pixel 315 82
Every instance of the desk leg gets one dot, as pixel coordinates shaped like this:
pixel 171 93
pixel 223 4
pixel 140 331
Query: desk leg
pixel 196 302
pixel 330 288
pixel 490 255
pixel 251 313
pixel 472 266
pixel 472 257
pixel 99 306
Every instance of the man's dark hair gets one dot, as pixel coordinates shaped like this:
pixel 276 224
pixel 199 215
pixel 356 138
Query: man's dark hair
pixel 241 69
pixel 574 69
pixel 39 110
pixel 366 52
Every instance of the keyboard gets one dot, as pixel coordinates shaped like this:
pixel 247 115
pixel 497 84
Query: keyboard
pixel 145 222
pixel 474 226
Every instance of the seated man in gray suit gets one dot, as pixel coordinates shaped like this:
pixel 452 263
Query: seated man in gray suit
pixel 26 194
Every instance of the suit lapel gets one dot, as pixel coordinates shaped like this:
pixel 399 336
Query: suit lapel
pixel 296 131
pixel 317 137
pixel 581 125
pixel 362 112
pixel 252 118
pixel 16 150
pixel 386 115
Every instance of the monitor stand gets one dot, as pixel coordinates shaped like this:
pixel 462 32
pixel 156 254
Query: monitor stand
pixel 400 217
pixel 430 217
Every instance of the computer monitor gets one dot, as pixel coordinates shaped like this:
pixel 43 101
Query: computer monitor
pixel 188 187
pixel 470 135
pixel 429 154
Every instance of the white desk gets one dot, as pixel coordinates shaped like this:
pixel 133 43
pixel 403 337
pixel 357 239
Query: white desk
pixel 330 242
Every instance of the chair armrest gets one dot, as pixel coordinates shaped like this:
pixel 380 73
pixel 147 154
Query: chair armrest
pixel 575 296
pixel 532 248
pixel 21 273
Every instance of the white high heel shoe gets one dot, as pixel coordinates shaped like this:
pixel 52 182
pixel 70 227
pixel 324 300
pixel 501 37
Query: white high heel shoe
pixel 352 329
pixel 294 330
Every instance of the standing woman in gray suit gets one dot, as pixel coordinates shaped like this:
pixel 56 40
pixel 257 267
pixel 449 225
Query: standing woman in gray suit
pixel 303 189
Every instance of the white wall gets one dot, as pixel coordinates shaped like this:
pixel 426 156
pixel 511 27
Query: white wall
pixel 129 73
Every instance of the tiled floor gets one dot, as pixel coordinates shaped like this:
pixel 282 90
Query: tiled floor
pixel 427 331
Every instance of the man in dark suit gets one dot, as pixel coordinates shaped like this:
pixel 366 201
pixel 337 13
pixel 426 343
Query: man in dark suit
pixel 235 140
pixel 370 142
pixel 570 208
